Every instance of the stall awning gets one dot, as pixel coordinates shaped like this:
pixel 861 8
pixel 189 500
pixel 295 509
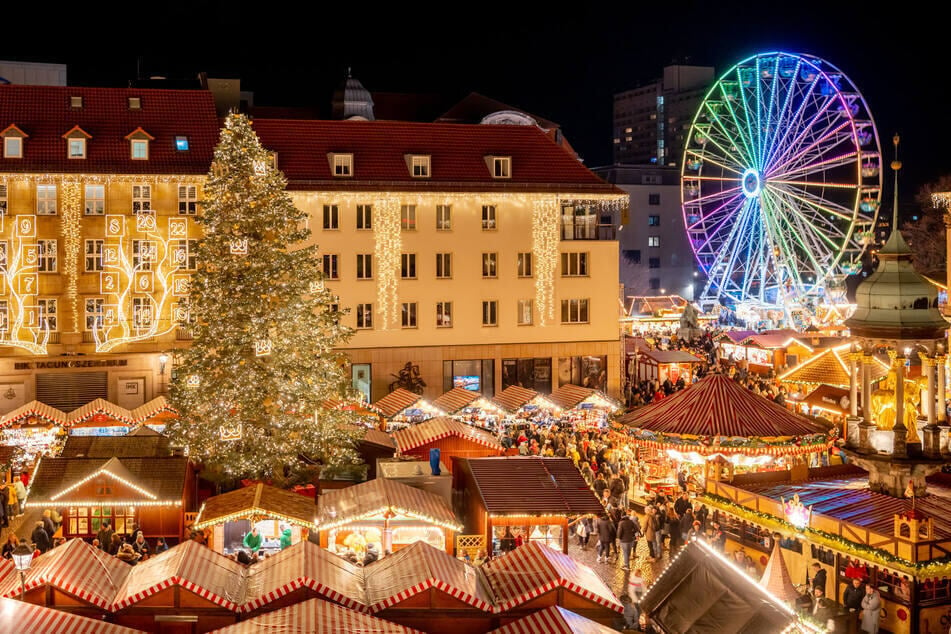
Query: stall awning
pixel 34 409
pixel 260 501
pixel 828 398
pixel 397 401
pixel 316 615
pixel 554 620
pixel 419 567
pixel 96 408
pixel 379 438
pixel 376 497
pixel 534 569
pixel 77 569
pixel 304 565
pixel 16 616
pixel 442 427
pixel 568 396
pixel 145 413
pixel 189 565
pixel 456 399
pixel 513 398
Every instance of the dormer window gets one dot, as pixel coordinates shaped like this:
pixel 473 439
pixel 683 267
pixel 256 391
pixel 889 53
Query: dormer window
pixel 76 102
pixel 342 165
pixel 181 143
pixel 139 144
pixel 135 103
pixel 76 143
pixel 501 166
pixel 13 142
pixel 420 166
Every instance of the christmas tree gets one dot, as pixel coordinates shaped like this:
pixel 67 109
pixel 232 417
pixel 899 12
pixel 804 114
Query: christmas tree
pixel 251 389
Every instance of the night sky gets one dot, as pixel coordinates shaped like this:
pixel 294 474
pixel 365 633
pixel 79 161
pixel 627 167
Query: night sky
pixel 564 66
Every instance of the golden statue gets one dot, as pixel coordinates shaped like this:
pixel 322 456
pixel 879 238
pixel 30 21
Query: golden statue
pixel 883 404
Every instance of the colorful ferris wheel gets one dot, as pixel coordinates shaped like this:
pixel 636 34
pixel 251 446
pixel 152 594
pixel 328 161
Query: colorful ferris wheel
pixel 781 182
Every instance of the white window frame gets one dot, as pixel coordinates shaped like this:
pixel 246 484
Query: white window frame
pixel 575 311
pixel 575 264
pixel 330 220
pixel 443 217
pixel 142 199
pixel 364 268
pixel 409 315
pixel 408 217
pixel 407 266
pixel 187 200
pixel 8 151
pixel 443 314
pixel 4 316
pixel 144 254
pixel 329 265
pixel 364 217
pixel 343 165
pixel 4 252
pixel 653 241
pixel 3 199
pixel 525 312
pixel 524 264
pixel 185 254
pixel 46 311
pixel 46 256
pixel 420 166
pixel 444 266
pixel 490 265
pixel 92 251
pixel 45 199
pixel 95 316
pixel 490 312
pixel 364 316
pixel 80 145
pixel 490 219
pixel 139 304
pixel 94 194
pixel 502 167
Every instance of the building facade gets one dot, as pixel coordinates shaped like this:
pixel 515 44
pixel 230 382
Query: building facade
pixel 98 194
pixel 651 122
pixel 485 255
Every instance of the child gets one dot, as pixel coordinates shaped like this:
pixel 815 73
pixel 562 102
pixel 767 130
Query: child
pixel 632 615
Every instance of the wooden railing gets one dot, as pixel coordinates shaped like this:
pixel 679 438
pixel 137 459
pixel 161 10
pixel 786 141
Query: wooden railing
pixel 471 544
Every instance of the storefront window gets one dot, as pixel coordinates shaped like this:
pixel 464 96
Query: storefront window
pixel 477 375
pixel 531 373
pixel 87 520
pixel 587 371
pixel 361 378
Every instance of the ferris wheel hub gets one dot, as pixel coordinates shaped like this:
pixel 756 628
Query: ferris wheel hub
pixel 751 183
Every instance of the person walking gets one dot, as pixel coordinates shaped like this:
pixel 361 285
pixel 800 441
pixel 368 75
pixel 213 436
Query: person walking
pixel 40 537
pixel 852 600
pixel 20 488
pixel 626 535
pixel 105 535
pixel 871 609
pixel 650 531
pixel 607 533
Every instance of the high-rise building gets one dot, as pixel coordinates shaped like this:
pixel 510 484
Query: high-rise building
pixel 651 122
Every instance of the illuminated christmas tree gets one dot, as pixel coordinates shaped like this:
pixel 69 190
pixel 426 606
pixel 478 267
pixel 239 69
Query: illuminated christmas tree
pixel 251 389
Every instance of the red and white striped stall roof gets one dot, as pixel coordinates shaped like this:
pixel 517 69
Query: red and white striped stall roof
pixel 34 409
pixel 75 568
pixel 304 565
pixel 7 571
pixel 513 398
pixel 554 620
pixel 99 406
pixel 148 411
pixel 455 399
pixel 192 566
pixel 717 405
pixel 397 401
pixel 373 498
pixel 419 567
pixel 25 618
pixel 534 569
pixel 568 396
pixel 316 615
pixel 438 428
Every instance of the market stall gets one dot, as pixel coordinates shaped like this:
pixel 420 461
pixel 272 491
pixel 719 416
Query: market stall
pixel 316 615
pixel 764 351
pixel 554 620
pixel 829 367
pixel 387 514
pixel 452 438
pixel 470 407
pixel 401 408
pixel 36 428
pixel 583 407
pixel 278 515
pixel 155 414
pixel 661 365
pixel 16 616
pixel 100 418
pixel 521 406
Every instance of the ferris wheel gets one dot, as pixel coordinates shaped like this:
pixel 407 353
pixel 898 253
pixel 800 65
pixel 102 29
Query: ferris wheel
pixel 781 182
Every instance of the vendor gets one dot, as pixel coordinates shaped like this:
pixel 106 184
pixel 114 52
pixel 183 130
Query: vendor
pixel 253 540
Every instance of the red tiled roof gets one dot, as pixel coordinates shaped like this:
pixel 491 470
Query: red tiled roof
pixel 455 399
pixel 556 486
pixel 44 113
pixel 457 153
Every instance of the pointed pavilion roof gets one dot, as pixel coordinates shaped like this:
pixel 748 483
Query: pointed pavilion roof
pixel 776 579
pixel 829 367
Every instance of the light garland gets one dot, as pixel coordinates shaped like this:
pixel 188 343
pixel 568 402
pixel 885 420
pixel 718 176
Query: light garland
pixel 387 247
pixel 351 197
pixel 109 502
pixel 251 512
pixel 71 203
pixel 22 283
pixel 375 515
pixel 184 179
pixel 103 471
pixel 545 241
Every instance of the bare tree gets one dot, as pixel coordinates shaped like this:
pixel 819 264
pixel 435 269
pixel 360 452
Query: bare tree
pixel 926 236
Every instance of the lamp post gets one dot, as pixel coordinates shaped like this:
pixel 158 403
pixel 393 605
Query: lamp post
pixel 22 557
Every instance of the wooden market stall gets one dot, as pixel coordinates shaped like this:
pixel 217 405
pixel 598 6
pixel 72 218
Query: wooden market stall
pixel 829 367
pixel 401 407
pixel 529 493
pixel 452 438
pixel 470 407
pixel 274 512
pixel 142 443
pixel 151 492
pixel 519 406
pixel 100 418
pixel 583 407
pixel 426 588
pixel 554 620
pixel 191 581
pixel 316 615
pixel 36 428
pixel 155 414
pixel 301 572
pixel 17 616
pixel 534 577
pixel 660 365
pixel 375 445
pixel 386 513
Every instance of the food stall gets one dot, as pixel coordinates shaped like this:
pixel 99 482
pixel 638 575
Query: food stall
pixel 100 418
pixel 469 407
pixel 583 407
pixel 660 365
pixel 36 428
pixel 402 408
pixel 520 405
pixel 155 414
pixel 452 438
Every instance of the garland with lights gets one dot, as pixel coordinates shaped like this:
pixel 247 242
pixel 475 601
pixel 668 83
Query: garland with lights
pixel 545 241
pixel 780 445
pixel 22 283
pixel 71 203
pixel 387 251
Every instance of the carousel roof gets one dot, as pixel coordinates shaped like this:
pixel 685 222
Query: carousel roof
pixel 719 406
pixel 375 497
pixel 568 396
pixel 17 616
pixel 829 367
pixel 418 567
pixel 456 399
pixel 442 427
pixel 554 620
pixel 316 615
pixel 512 398
pixel 396 401
pixel 259 500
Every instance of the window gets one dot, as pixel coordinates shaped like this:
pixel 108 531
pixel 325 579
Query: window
pixel 4 316
pixel 47 313
pixel 331 217
pixel 443 314
pixel 46 256
pixel 364 266
pixel 187 200
pixel 140 149
pixel 3 200
pixel 651 179
pixel 364 216
pixel 185 254
pixel 135 103
pixel 12 147
pixel 501 167
pixel 408 315
pixel 530 373
pixel 653 199
pixel 142 199
pixel 489 265
pixel 95 309
pixel 653 221
pixel 579 222
pixel 181 143
pixel 46 200
pixel 75 102
pixel 524 312
pixel 143 254
pixel 4 247
pixel 654 283
pixel 343 165
pixel 330 266
pixel 77 148
pixel 408 217
pixel 574 264
pixel 142 312
pixel 525 264
pixel 364 315
pixel 420 166
pixel 443 217
pixel 488 217
pixel 94 255
pixel 653 263
pixel 408 266
pixel 632 255
pixel 444 266
pixel 95 204
pixel 490 313
pixel 574 311
pixel 653 241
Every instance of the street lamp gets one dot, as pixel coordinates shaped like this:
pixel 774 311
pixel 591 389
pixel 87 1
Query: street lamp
pixel 22 557
pixel 163 359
